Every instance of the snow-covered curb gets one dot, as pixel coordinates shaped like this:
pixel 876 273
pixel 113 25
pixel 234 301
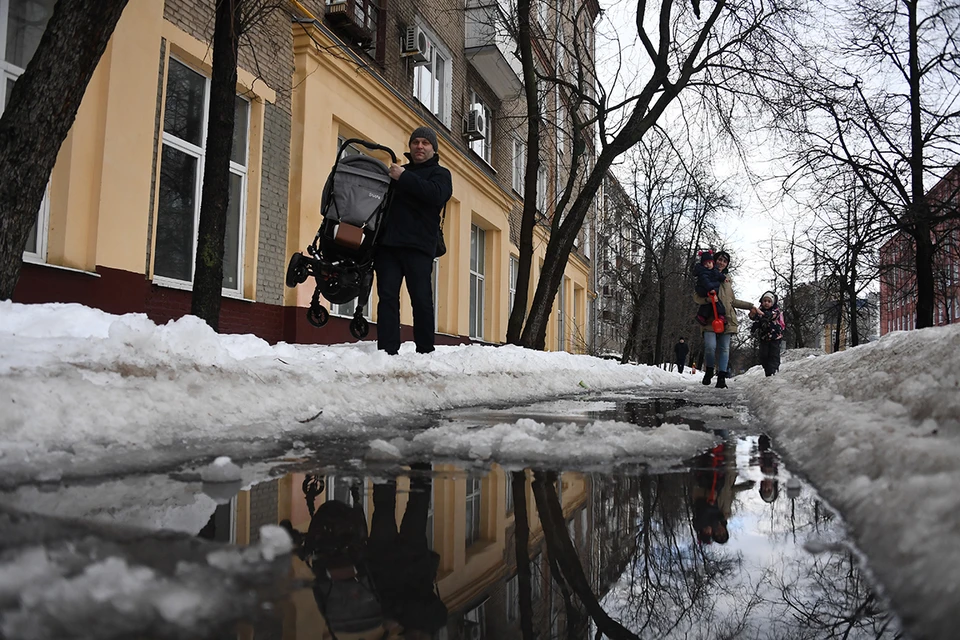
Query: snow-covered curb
pixel 877 430
pixel 180 385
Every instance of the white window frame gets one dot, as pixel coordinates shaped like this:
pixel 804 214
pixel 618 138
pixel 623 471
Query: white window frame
pixel 435 98
pixel 543 174
pixel 561 302
pixel 519 155
pixel 9 73
pixel 477 280
pixel 484 146
pixel 477 616
pixel 512 282
pixel 473 511
pixel 199 153
pixel 512 596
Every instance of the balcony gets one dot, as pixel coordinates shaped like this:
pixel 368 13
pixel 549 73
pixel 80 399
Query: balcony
pixel 490 48
pixel 355 19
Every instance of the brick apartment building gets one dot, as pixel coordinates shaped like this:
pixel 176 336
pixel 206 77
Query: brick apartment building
pixel 117 228
pixel 898 296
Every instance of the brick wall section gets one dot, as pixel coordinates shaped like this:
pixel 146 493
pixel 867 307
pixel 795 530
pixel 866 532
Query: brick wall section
pixel 266 51
pixel 446 19
pixel 273 203
pixel 264 505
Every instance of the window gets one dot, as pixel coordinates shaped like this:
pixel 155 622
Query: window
pixel 435 280
pixel 473 510
pixel 513 599
pixel 561 306
pixel 483 146
pixel 181 178
pixel 430 520
pixel 477 251
pixel 542 8
pixel 512 289
pixel 26 21
pixel 518 165
pixel 474 623
pixel 431 82
pixel 536 577
pixel 347 490
pixel 542 188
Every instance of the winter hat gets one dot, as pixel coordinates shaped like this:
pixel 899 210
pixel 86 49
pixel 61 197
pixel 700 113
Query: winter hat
pixel 769 294
pixel 706 255
pixel 427 133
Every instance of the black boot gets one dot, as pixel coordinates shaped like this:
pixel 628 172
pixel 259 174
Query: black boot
pixel 708 376
pixel 721 380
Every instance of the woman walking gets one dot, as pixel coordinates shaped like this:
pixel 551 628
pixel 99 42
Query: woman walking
pixel 716 346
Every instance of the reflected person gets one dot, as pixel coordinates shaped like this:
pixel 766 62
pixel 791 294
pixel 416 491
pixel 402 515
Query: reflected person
pixel 769 485
pixel 404 568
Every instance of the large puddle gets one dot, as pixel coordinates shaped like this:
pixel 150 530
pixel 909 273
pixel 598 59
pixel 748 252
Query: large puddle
pixel 732 545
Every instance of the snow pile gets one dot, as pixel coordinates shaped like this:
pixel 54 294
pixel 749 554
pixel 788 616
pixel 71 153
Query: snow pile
pixel 877 429
pixel 530 441
pixel 114 588
pixel 77 384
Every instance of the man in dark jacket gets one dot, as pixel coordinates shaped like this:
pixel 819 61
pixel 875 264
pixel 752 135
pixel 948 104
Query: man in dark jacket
pixel 680 351
pixel 409 242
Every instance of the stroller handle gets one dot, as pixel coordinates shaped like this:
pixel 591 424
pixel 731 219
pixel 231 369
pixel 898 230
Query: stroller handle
pixel 368 145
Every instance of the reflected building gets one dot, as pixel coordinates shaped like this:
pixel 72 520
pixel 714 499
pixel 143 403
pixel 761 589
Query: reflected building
pixel 471 525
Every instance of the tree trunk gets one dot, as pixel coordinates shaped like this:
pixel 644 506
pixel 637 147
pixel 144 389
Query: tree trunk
pixel 661 320
pixel 925 278
pixel 836 338
pixel 854 311
pixel 561 550
pixel 40 111
pixel 529 217
pixel 521 534
pixel 920 211
pixel 215 196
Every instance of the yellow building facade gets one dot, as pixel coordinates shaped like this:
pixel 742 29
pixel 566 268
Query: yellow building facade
pixel 111 233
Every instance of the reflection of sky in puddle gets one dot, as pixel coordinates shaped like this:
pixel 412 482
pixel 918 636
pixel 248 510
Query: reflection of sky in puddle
pixel 761 583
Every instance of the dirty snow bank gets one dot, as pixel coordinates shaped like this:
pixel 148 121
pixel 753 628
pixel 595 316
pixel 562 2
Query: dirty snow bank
pixel 877 429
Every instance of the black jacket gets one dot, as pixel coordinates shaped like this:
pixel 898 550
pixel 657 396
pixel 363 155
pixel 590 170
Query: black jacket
pixel 419 196
pixel 681 350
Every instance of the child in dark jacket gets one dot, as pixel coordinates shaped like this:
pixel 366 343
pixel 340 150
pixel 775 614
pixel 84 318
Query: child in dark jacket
pixel 708 278
pixel 768 328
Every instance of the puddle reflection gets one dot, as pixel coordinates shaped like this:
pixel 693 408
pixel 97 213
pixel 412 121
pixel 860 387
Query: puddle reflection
pixel 437 552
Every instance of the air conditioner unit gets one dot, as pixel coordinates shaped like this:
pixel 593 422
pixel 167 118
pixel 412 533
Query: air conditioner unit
pixel 475 127
pixel 416 46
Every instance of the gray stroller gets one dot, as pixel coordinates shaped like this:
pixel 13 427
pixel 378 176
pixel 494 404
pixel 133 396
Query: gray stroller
pixel 355 199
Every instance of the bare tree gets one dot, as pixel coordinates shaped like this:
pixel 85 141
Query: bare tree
pixel 40 112
pixel 881 102
pixel 234 18
pixel 713 57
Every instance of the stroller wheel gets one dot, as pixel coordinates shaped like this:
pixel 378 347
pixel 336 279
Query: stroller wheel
pixel 359 328
pixel 318 316
pixel 296 270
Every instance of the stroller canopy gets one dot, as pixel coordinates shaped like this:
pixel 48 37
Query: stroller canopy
pixel 355 191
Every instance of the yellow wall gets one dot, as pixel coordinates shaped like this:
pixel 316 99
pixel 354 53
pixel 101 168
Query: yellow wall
pixel 100 190
pixel 332 98
pixel 100 187
pixel 465 572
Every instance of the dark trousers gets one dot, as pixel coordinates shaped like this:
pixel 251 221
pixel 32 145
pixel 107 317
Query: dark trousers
pixel 770 356
pixel 393 265
pixel 680 366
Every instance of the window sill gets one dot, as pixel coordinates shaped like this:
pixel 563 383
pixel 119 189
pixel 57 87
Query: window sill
pixel 35 260
pixel 478 547
pixel 169 283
